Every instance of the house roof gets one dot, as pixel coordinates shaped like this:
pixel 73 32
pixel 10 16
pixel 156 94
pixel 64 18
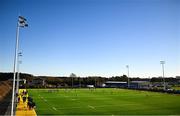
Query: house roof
pixel 115 82
pixel 139 81
pixel 38 78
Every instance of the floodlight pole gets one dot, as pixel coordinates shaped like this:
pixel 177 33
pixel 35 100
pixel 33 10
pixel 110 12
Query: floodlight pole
pixel 94 81
pixel 21 23
pixel 127 66
pixel 14 69
pixel 72 82
pixel 162 63
pixel 18 75
pixel 79 82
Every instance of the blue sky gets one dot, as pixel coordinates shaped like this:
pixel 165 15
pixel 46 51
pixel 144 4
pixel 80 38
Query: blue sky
pixel 92 37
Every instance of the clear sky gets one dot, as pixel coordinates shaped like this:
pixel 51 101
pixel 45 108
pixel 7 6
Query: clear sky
pixel 92 37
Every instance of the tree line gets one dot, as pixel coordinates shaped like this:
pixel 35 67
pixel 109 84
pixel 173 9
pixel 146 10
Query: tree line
pixel 76 81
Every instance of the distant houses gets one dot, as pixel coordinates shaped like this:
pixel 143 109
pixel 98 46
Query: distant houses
pixel 178 79
pixel 140 84
pixel 37 82
pixel 30 81
pixel 116 84
pixel 133 84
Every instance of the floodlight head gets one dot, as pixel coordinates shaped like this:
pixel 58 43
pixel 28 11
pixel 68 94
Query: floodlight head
pixel 22 18
pixel 22 22
pixel 127 66
pixel 20 54
pixel 162 62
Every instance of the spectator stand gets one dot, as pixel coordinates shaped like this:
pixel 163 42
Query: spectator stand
pixel 25 104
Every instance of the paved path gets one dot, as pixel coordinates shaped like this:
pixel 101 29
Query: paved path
pixel 6 104
pixel 22 109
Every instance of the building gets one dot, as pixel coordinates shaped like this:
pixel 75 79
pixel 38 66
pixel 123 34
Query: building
pixel 178 77
pixel 116 84
pixel 38 82
pixel 140 84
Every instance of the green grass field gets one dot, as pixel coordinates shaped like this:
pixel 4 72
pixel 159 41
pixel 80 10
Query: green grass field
pixel 176 88
pixel 104 102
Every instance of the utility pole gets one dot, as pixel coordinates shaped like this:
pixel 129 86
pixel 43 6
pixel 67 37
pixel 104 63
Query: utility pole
pixel 164 84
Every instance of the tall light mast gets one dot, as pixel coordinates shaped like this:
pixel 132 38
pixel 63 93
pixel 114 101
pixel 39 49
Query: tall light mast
pixel 127 66
pixel 164 83
pixel 21 23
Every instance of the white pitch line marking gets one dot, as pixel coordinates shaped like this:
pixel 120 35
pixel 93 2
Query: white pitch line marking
pixel 91 107
pixel 54 108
